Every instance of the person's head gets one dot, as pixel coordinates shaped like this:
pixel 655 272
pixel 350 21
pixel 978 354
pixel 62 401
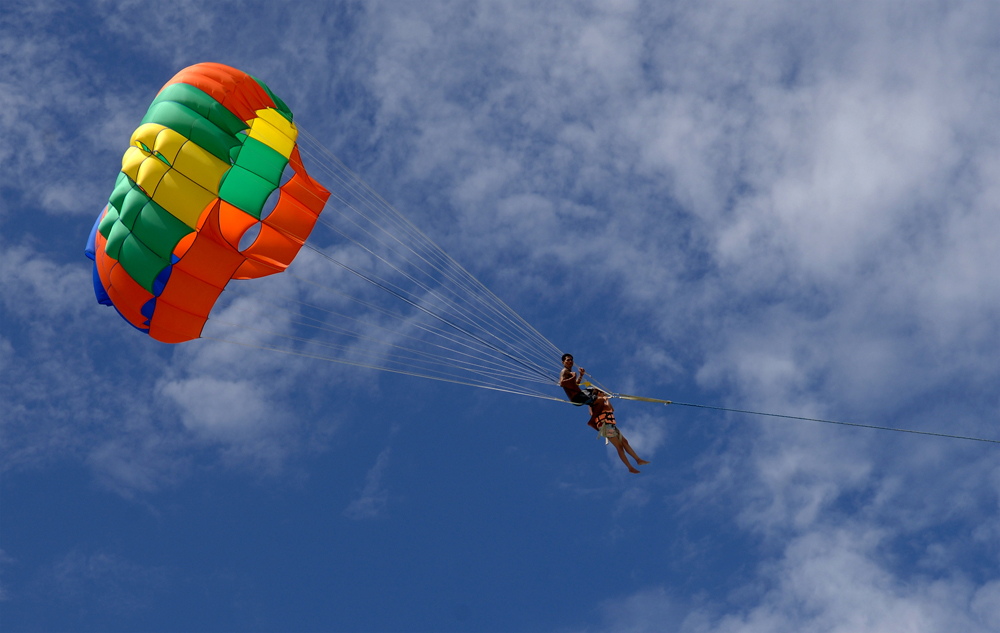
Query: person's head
pixel 567 360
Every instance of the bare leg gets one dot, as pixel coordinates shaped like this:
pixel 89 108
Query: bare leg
pixel 617 441
pixel 628 448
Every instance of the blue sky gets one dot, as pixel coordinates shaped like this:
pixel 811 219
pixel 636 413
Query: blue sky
pixel 776 206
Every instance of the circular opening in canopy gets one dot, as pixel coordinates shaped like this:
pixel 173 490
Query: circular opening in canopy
pixel 249 237
pixel 286 175
pixel 270 204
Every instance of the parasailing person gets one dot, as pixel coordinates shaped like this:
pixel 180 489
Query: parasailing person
pixel 570 382
pixel 602 414
pixel 602 419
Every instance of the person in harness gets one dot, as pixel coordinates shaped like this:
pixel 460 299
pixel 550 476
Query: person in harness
pixel 602 418
pixel 602 414
pixel 570 383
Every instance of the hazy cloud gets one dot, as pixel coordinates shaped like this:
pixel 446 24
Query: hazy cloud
pixel 374 495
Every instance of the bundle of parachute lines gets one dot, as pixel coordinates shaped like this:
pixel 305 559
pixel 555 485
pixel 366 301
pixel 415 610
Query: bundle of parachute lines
pixel 213 192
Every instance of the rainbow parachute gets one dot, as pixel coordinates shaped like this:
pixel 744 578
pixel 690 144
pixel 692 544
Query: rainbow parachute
pixel 214 158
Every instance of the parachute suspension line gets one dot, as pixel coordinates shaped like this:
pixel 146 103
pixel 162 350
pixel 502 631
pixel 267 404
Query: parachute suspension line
pixel 437 372
pixel 344 331
pixel 426 357
pixel 457 282
pixel 796 417
pixel 523 344
pixel 438 359
pixel 383 210
pixel 460 312
pixel 466 315
pixel 377 204
pixel 426 328
pixel 394 360
pixel 395 371
pixel 364 277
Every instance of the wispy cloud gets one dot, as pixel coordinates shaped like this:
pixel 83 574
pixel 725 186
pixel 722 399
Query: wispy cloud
pixel 5 561
pixel 374 495
pixel 88 582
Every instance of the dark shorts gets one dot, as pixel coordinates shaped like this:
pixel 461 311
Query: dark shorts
pixel 585 397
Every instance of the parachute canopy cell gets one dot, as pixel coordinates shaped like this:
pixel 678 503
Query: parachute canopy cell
pixel 214 154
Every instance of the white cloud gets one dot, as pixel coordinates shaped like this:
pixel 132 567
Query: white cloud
pixel 78 382
pixel 50 166
pixel 645 433
pixel 222 409
pixel 32 284
pixel 837 582
pixel 829 581
pixel 374 495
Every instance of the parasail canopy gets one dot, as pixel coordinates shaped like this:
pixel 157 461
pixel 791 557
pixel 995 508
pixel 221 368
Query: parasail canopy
pixel 215 157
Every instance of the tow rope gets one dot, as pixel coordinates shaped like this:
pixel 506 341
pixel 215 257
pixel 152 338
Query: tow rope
pixel 624 396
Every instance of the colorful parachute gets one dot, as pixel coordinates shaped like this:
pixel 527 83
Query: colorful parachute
pixel 214 152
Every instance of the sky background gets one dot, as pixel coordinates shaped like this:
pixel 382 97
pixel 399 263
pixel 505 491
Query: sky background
pixel 779 206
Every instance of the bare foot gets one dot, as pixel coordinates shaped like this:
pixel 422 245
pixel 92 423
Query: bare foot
pixel 641 462
pixel 633 470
